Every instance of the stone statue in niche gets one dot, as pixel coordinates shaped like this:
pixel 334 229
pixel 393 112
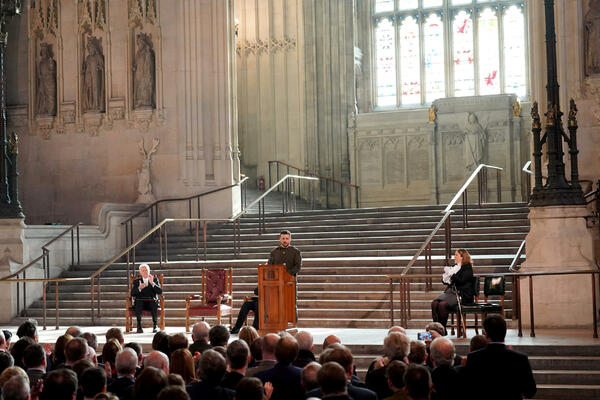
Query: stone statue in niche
pixel 46 82
pixel 592 38
pixel 143 73
pixel 93 77
pixel 144 183
pixel 475 140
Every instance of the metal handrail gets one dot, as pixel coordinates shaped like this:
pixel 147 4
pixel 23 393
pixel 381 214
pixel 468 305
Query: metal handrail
pixel 324 178
pixel 517 257
pixel 526 168
pixel 405 294
pixel 446 218
pixel 153 208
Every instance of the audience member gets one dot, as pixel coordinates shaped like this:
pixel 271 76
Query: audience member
pixel 395 347
pixel 137 348
pixel 332 382
pixel 150 382
pixel 237 362
pixel 18 350
pixel 75 350
pixel 250 389
pixel 105 396
pixel 308 377
pixel 60 384
pixel 80 366
pixel 478 342
pixel 256 351
pixel 158 338
pixel 395 377
pixel 417 353
pixel 200 337
pixel 7 337
pixel 173 392
pixel 306 347
pixel 178 341
pixel 92 382
pixel 157 359
pixel 211 371
pixel 125 364
pixel 34 359
pixel 176 379
pixel 182 363
pixel 10 372
pixel 248 334
pixel 74 331
pixel 58 355
pixel 397 328
pixel 343 356
pixel 6 361
pixel 162 344
pixel 417 382
pixel 268 360
pixel 497 363
pixel 16 388
pixel 284 377
pixel 218 336
pixel 109 353
pixel 329 340
pixel 29 329
pixel 3 343
pixel 91 340
pixel 446 379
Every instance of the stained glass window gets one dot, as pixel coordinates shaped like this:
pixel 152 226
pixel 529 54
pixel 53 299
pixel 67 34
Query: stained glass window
pixel 433 46
pixel 489 54
pixel 410 61
pixel 514 52
pixel 384 5
pixel 462 44
pixel 386 63
pixel 429 49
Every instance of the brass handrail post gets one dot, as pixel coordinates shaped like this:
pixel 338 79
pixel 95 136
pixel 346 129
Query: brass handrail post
pixel 392 301
pixel 72 248
pixel 499 182
pixel 78 248
pixel 24 293
pixel 531 318
pixel 190 215
pixel 56 297
pixel 204 227
pixel 197 242
pixel 595 317
pixel 520 323
pixel 166 246
pixel 98 287
pixel 44 303
pixel 465 211
pixel 92 300
pixel 160 245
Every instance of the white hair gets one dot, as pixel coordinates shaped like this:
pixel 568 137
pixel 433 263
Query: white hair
pixel 144 265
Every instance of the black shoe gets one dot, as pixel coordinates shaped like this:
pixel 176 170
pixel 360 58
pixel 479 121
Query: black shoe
pixel 234 331
pixel 154 330
pixel 140 330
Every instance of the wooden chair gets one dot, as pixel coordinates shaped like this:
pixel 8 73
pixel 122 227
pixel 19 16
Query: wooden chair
pixel 216 298
pixel 130 309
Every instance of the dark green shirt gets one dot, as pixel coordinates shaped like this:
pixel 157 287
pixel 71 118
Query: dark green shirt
pixel 290 256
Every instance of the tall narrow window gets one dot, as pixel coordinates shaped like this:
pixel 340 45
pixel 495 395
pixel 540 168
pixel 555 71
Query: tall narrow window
pixel 384 6
pixel 514 52
pixel 386 63
pixel 489 54
pixel 410 61
pixel 462 43
pixel 433 46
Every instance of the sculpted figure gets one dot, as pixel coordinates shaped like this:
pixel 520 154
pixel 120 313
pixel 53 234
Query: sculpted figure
pixel 143 73
pixel 592 38
pixel 144 183
pixel 46 82
pixel 475 139
pixel 93 77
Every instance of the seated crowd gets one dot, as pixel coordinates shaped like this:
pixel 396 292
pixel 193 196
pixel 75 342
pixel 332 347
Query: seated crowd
pixel 275 366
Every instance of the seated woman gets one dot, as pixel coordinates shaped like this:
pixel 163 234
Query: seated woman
pixel 458 277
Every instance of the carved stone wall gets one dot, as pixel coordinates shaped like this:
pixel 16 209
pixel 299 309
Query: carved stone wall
pixel 82 156
pixel 400 157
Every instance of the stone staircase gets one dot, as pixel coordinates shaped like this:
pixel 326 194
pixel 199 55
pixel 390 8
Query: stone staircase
pixel 347 255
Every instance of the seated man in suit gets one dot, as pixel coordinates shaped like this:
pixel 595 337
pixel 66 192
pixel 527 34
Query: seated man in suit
pixel 497 372
pixel 145 290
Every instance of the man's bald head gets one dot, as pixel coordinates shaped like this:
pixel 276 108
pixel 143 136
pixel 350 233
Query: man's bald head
pixel 329 340
pixel 442 351
pixel 397 328
pixel 157 359
pixel 200 331
pixel 269 344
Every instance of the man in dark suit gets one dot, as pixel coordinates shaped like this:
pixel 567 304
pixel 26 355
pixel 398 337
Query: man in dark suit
pixel 126 364
pixel 211 371
pixel 34 359
pixel 497 372
pixel 284 377
pixel 333 382
pixel 445 378
pixel 237 361
pixel 268 355
pixel 145 290
pixel 200 337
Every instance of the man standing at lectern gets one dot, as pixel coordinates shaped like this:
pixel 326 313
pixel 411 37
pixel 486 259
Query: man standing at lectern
pixel 289 256
pixel 282 254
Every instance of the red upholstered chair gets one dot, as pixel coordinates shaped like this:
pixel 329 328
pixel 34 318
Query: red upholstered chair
pixel 130 309
pixel 216 298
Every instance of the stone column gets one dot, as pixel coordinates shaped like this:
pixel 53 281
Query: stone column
pixel 11 253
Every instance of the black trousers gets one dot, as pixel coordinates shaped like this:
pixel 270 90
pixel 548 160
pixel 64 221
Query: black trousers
pixel 251 305
pixel 149 305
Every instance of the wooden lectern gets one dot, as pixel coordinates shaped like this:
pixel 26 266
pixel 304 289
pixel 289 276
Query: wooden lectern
pixel 276 299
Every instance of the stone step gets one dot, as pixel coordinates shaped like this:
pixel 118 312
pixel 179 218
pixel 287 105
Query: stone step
pixel 556 391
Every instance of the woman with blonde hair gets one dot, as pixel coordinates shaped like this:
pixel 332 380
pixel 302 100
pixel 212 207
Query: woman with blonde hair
pixel 458 278
pixel 248 334
pixel 182 363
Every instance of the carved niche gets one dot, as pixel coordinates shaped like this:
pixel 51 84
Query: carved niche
pixel 592 38
pixel 144 103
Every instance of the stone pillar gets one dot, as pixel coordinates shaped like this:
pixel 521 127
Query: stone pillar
pixel 559 240
pixel 11 253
